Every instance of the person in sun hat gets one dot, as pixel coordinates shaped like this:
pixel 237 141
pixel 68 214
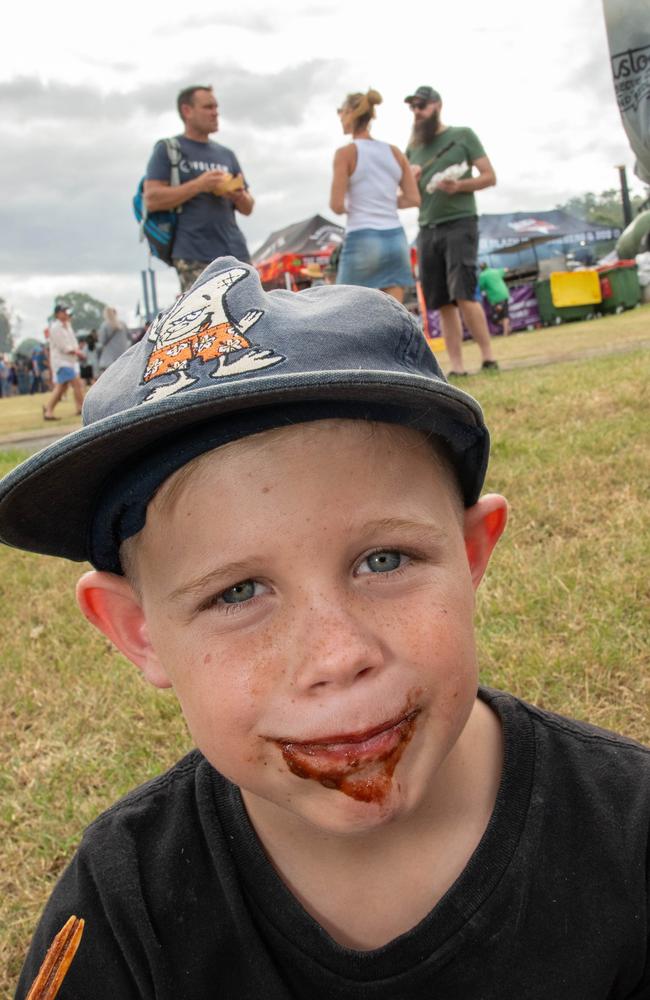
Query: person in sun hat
pixel 313 273
pixel 281 498
pixel 444 159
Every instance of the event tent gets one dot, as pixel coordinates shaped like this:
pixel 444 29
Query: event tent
pixel 287 250
pixel 560 229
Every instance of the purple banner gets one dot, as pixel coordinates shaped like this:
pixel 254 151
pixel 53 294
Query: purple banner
pixel 524 313
pixel 523 308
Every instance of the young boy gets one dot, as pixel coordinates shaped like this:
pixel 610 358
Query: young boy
pixel 280 496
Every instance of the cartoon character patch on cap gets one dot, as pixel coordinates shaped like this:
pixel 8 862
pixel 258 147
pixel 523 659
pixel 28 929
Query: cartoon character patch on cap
pixel 198 328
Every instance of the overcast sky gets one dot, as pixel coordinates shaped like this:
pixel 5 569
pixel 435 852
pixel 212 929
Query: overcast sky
pixel 85 91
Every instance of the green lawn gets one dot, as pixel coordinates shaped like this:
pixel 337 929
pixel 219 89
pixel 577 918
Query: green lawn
pixel 562 617
pixel 24 414
pixel 568 341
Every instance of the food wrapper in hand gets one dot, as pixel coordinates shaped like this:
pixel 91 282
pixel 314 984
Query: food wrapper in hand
pixel 453 172
pixel 229 183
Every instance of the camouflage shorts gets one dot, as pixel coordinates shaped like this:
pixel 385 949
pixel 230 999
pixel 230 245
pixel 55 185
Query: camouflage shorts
pixel 188 271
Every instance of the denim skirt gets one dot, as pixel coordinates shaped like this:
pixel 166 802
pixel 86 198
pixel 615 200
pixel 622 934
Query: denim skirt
pixel 376 258
pixel 66 373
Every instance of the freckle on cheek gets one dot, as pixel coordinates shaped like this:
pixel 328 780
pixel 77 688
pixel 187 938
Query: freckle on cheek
pixel 207 658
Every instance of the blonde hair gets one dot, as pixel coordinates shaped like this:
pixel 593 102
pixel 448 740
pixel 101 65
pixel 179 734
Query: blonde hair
pixel 110 315
pixel 363 106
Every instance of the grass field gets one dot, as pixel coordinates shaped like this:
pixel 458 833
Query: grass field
pixel 569 341
pixel 562 617
pixel 24 414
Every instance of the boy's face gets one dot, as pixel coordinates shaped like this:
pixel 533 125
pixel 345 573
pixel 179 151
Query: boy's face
pixel 307 594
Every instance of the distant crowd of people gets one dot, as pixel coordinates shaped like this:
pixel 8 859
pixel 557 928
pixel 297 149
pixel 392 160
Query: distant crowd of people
pixel 22 374
pixel 66 361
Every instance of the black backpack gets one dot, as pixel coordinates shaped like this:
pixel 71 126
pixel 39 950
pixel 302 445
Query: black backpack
pixel 159 228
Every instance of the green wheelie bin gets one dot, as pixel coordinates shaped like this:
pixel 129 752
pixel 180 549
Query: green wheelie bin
pixel 551 314
pixel 620 286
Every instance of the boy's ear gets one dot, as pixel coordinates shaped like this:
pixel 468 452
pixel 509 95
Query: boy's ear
pixel 483 526
pixel 110 604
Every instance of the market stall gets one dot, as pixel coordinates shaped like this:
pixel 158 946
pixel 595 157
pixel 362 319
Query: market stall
pixel 514 239
pixel 552 275
pixel 288 252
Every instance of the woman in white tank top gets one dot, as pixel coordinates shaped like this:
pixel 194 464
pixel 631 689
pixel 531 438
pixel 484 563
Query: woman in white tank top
pixel 372 180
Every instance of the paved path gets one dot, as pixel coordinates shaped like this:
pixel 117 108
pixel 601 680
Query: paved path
pixel 30 441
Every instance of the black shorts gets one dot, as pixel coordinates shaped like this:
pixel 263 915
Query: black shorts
pixel 447 255
pixel 498 310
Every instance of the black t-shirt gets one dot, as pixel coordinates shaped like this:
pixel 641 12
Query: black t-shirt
pixel 206 226
pixel 181 903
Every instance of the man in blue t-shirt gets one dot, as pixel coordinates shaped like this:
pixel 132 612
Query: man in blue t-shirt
pixel 212 187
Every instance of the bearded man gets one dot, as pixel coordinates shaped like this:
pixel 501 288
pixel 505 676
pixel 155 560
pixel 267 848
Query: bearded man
pixel 443 159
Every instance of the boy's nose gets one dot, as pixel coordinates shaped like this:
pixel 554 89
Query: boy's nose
pixel 336 647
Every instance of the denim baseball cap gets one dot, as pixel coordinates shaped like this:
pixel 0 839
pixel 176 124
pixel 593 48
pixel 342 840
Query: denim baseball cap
pixel 225 361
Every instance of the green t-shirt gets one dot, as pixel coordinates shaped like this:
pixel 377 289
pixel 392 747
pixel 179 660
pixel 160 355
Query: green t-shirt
pixel 454 145
pixel 491 282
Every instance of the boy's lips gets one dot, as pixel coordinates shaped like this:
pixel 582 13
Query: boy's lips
pixel 347 752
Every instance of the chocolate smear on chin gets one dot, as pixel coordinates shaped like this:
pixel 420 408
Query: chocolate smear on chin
pixel 361 780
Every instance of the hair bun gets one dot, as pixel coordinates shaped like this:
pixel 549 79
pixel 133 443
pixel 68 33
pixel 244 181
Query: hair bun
pixel 374 97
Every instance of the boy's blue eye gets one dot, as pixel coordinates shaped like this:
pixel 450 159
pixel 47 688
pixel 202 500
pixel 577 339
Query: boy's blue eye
pixel 241 592
pixel 384 562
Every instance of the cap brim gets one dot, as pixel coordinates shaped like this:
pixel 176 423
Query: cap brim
pixel 61 484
